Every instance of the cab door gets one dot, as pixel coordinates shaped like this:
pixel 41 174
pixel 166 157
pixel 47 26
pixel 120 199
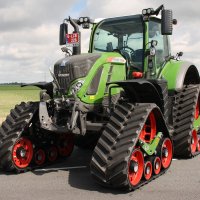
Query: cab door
pixel 162 48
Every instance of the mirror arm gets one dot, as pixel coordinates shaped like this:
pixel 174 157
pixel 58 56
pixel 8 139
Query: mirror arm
pixel 157 11
pixel 74 24
pixel 76 49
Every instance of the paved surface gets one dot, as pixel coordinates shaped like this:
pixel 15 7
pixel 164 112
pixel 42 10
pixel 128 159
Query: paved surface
pixel 181 182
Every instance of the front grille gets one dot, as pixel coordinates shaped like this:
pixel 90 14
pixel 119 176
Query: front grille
pixel 70 68
pixel 64 75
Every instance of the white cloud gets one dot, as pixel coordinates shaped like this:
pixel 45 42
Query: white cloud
pixel 186 34
pixel 112 8
pixel 29 31
pixel 29 38
pixel 28 52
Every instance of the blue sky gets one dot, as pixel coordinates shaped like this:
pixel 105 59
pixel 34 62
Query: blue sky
pixel 78 8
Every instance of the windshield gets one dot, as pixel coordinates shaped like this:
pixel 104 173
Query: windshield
pixel 121 34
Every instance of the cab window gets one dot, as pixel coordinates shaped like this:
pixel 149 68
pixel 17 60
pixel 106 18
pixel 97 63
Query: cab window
pixel 162 48
pixel 123 34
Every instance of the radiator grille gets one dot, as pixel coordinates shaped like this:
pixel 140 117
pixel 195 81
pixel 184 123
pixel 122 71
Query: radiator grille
pixel 70 68
pixel 64 75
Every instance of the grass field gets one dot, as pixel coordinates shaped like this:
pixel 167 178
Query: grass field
pixel 12 95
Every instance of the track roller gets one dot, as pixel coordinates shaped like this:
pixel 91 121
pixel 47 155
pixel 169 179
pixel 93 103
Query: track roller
pixel 52 153
pixel 148 170
pixel 39 157
pixel 157 165
pixel 65 145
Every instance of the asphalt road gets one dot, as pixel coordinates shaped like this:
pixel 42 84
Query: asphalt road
pixel 181 182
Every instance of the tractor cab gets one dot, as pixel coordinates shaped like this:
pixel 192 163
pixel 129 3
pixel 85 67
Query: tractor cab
pixel 140 39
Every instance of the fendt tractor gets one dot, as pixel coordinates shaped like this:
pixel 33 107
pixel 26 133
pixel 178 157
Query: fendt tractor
pixel 128 99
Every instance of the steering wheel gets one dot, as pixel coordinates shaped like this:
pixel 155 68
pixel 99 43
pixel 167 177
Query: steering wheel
pixel 127 47
pixel 126 55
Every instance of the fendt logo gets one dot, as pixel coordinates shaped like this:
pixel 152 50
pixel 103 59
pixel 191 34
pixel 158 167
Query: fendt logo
pixel 63 75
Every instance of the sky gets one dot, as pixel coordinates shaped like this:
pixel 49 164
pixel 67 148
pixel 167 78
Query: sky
pixel 29 31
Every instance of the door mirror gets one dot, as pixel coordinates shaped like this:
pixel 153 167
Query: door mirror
pixel 167 22
pixel 63 32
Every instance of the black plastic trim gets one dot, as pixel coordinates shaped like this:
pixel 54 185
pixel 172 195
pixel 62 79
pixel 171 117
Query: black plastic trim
pixel 48 86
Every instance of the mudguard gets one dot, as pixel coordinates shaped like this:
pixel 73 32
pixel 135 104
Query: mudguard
pixel 42 85
pixel 142 91
pixel 179 73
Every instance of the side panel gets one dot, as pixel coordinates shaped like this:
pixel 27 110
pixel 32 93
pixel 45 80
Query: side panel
pixel 110 72
pixel 179 72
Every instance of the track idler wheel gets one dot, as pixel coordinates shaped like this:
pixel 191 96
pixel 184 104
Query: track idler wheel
pixel 52 153
pixel 66 145
pixel 148 170
pixel 22 153
pixel 157 165
pixel 136 167
pixel 149 129
pixel 197 110
pixel 194 141
pixel 166 153
pixel 198 145
pixel 39 157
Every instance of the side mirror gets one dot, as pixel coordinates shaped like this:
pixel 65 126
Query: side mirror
pixel 167 22
pixel 63 32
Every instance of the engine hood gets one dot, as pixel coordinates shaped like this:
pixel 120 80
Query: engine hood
pixel 70 68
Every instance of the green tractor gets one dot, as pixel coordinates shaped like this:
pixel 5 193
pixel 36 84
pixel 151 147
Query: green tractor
pixel 128 99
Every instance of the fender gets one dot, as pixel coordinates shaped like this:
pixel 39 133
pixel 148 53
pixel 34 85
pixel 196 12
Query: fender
pixel 179 73
pixel 142 91
pixel 42 85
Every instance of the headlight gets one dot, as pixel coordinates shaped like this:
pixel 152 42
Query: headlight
pixel 144 12
pixel 77 86
pixel 86 19
pixel 81 19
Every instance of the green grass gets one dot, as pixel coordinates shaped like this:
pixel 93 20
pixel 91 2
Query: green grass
pixel 12 95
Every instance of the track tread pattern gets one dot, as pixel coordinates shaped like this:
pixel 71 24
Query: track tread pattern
pixel 183 118
pixel 11 130
pixel 111 155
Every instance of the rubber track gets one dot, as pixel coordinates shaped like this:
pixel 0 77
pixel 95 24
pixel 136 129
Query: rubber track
pixel 183 118
pixel 11 130
pixel 111 155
